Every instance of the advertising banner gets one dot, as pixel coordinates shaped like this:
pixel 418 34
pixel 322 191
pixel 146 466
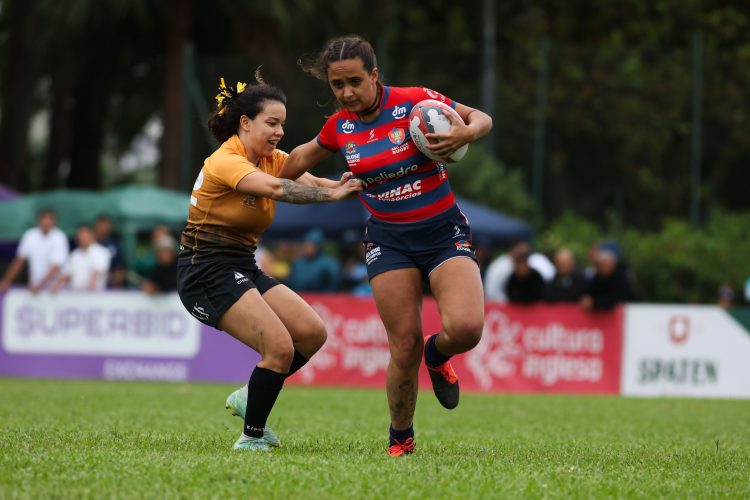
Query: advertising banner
pixel 114 335
pixel 523 349
pixel 675 350
pixel 130 335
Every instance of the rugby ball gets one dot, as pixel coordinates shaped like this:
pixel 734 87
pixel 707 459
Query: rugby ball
pixel 429 116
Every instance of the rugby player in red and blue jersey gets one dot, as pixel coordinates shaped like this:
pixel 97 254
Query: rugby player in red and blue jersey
pixel 415 231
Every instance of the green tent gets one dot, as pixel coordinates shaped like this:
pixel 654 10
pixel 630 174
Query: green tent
pixel 133 210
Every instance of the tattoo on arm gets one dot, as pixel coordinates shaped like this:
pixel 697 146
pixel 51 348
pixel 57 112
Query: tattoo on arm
pixel 294 192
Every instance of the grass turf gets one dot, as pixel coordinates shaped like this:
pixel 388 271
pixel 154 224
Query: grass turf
pixel 79 439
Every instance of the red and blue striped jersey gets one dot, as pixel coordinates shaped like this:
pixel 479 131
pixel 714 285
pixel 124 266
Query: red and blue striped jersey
pixel 401 184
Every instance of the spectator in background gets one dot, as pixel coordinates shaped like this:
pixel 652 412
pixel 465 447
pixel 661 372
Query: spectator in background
pixel 88 265
pixel 312 270
pixel 725 296
pixel 163 276
pixel 525 285
pixel 45 248
pixel 283 255
pixel 500 269
pixel 103 232
pixel 568 285
pixel 146 263
pixel 609 286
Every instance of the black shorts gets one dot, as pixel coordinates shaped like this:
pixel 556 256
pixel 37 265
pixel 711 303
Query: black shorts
pixel 422 245
pixel 210 287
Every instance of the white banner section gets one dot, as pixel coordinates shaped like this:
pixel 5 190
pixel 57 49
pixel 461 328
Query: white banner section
pixel 109 324
pixel 684 351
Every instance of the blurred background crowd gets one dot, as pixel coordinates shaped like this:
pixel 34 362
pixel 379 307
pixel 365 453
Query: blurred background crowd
pixel 512 273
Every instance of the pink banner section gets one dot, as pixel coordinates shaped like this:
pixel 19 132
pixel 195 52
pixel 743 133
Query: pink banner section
pixel 560 349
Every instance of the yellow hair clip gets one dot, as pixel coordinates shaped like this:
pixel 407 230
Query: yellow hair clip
pixel 226 94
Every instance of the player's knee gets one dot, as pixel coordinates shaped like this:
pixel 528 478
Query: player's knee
pixel 466 331
pixel 317 335
pixel 406 350
pixel 279 354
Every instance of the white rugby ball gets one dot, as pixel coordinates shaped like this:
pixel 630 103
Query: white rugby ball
pixel 429 116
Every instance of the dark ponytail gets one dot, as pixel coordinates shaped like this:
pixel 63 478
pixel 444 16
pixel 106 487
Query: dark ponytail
pixel 340 49
pixel 233 102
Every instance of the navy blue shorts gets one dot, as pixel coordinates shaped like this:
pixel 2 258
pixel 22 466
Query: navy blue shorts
pixel 422 245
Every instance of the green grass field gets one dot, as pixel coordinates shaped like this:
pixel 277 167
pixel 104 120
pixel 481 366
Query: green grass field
pixel 71 439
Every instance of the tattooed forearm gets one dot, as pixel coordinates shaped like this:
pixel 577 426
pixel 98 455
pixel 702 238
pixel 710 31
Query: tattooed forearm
pixel 294 192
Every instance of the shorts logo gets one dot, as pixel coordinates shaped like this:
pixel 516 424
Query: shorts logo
pixel 240 278
pixel 457 232
pixel 372 254
pixel 396 136
pixel 464 245
pixel 199 313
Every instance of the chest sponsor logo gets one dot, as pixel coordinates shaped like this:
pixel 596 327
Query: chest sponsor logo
pixel 384 176
pixel 347 127
pixel 399 112
pixel 408 190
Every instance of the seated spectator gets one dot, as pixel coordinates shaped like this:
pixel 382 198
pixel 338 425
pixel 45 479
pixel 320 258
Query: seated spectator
pixel 312 270
pixel 609 286
pixel 499 270
pixel 525 285
pixel 45 248
pixel 568 285
pixel 88 265
pixel 103 232
pixel 163 277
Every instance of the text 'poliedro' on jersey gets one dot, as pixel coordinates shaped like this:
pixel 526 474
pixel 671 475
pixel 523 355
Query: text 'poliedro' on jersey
pixel 401 184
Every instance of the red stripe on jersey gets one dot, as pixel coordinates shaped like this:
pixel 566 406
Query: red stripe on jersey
pixel 416 215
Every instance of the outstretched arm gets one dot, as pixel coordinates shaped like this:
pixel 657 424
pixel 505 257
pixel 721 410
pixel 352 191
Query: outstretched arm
pixel 303 158
pixel 261 184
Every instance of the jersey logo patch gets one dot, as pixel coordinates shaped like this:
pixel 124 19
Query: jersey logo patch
pixel 396 136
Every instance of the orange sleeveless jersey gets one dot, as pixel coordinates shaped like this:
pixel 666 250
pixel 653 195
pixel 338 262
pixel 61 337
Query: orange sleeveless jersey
pixel 222 219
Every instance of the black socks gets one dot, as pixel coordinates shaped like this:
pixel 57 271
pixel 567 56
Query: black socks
pixel 432 356
pixel 297 362
pixel 262 390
